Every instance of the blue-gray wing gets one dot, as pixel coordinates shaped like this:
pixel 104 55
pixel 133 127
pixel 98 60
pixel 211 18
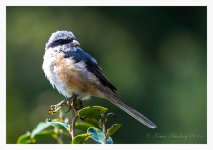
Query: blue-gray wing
pixel 91 65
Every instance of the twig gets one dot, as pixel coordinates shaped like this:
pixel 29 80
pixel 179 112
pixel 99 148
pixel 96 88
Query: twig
pixel 73 106
pixel 59 133
pixel 60 138
pixel 104 130
pixel 74 118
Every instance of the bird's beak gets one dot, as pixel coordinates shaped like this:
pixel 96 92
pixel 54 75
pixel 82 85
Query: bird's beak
pixel 75 43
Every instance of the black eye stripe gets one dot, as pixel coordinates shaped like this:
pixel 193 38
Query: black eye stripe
pixel 60 42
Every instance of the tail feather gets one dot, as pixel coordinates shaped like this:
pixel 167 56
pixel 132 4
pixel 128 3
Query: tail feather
pixel 135 114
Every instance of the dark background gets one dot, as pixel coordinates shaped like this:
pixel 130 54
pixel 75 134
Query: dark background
pixel 155 56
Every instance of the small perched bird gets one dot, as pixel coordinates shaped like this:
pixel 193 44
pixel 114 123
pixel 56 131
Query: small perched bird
pixel 72 71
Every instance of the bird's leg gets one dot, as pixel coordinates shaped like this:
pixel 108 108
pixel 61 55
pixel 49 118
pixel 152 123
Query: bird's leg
pixel 72 101
pixel 54 108
pixel 75 103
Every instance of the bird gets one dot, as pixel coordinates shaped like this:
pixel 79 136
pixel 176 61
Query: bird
pixel 72 71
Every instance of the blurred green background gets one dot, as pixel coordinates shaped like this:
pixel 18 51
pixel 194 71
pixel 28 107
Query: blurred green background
pixel 155 56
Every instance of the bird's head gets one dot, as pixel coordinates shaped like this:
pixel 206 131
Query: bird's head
pixel 61 40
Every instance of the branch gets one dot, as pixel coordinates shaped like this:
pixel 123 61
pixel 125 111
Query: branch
pixel 74 118
pixel 103 120
pixel 104 131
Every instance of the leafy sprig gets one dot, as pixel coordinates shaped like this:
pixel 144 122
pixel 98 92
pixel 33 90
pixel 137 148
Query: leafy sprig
pixel 86 123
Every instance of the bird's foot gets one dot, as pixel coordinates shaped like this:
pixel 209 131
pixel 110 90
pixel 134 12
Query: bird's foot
pixel 55 108
pixel 71 102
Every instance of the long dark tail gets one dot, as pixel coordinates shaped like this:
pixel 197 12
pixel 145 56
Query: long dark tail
pixel 135 114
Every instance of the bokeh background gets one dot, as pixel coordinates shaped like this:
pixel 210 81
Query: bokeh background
pixel 155 56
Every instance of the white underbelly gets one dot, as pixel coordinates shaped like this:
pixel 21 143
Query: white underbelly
pixel 52 73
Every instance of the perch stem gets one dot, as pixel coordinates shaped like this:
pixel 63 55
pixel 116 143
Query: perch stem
pixel 73 123
pixel 104 131
pixel 74 117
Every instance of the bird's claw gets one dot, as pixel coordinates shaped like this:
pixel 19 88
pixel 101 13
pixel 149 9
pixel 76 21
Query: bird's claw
pixel 71 102
pixel 53 109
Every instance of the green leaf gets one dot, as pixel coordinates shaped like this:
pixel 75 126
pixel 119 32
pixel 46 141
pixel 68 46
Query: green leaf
pixel 40 127
pixel 59 125
pixel 24 139
pixel 92 121
pixel 45 134
pixel 98 135
pixel 86 123
pixel 92 111
pixel 83 126
pixel 81 139
pixel 113 129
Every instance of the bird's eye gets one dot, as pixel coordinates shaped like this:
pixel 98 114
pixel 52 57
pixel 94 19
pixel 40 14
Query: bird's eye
pixel 63 41
pixel 60 42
